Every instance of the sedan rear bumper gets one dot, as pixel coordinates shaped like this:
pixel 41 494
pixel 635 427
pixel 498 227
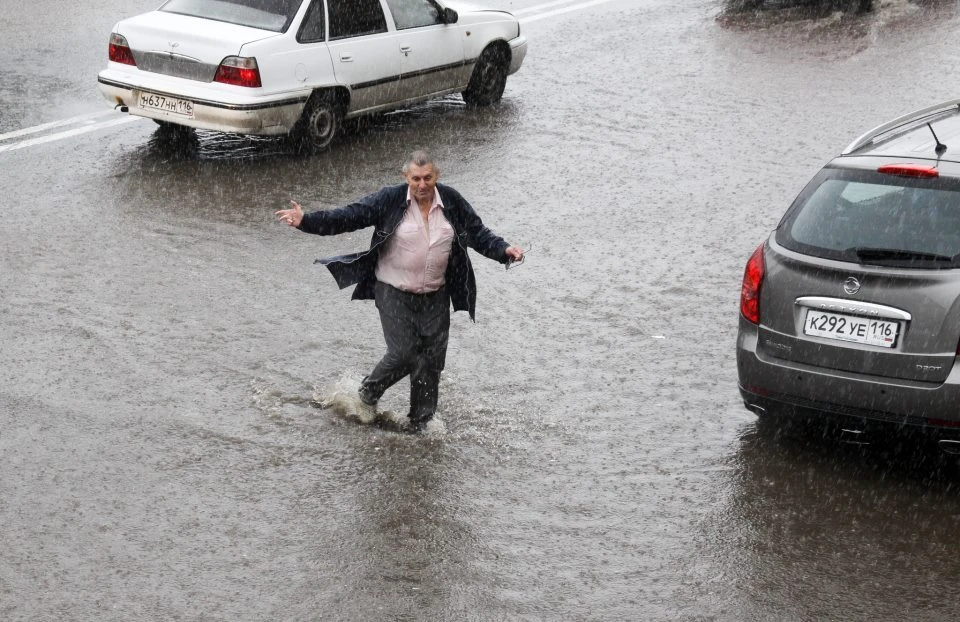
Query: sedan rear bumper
pixel 262 116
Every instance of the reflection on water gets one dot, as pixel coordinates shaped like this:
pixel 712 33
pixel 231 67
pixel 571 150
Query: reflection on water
pixel 806 7
pixel 887 453
pixel 414 546
pixel 829 531
pixel 447 114
pixel 837 20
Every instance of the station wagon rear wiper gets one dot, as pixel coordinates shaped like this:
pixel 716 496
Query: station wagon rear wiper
pixel 866 255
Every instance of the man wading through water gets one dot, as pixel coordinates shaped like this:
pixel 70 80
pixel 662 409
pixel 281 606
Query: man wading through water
pixel 416 266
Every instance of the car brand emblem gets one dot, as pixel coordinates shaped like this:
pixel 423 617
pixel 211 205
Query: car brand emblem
pixel 174 44
pixel 851 285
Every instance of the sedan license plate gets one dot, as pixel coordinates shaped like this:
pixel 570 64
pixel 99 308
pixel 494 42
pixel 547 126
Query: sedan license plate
pixel 152 101
pixel 868 331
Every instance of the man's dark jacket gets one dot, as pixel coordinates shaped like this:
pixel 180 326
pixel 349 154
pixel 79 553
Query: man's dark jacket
pixel 384 210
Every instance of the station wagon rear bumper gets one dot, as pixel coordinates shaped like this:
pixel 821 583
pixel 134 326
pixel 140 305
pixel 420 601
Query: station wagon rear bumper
pixel 779 386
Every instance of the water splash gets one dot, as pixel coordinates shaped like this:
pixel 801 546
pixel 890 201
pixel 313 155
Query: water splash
pixel 343 399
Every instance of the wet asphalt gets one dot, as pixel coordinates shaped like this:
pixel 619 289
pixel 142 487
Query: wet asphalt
pixel 166 346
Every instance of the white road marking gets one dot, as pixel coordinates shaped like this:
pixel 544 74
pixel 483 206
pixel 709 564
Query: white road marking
pixel 540 7
pixel 49 138
pixel 90 124
pixel 568 9
pixel 84 118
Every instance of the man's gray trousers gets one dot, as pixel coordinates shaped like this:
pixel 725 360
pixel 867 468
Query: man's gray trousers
pixel 416 328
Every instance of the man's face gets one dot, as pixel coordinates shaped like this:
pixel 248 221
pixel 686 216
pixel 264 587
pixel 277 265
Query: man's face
pixel 422 181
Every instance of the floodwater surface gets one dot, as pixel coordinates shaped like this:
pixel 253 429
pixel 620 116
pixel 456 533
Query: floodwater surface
pixel 170 355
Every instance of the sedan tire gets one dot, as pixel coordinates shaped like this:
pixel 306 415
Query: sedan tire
pixel 319 125
pixel 173 128
pixel 175 135
pixel 489 77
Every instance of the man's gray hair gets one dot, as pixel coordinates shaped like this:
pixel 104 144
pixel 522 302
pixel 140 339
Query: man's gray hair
pixel 420 157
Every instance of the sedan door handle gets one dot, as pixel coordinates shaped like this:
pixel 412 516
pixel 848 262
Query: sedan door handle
pixel 346 58
pixel 405 50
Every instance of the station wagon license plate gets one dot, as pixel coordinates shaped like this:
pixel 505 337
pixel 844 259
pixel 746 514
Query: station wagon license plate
pixel 152 101
pixel 868 331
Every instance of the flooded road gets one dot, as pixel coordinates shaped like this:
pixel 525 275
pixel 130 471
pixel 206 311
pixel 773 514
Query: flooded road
pixel 163 344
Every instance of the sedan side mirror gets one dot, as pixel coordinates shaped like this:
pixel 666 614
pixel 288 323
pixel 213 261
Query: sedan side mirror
pixel 450 16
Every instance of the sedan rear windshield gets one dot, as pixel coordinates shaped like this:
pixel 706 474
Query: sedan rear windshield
pixel 870 218
pixel 274 15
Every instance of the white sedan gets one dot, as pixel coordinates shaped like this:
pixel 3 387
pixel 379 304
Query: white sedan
pixel 299 67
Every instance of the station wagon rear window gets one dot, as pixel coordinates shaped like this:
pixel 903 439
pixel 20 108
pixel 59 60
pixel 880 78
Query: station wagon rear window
pixel 870 218
pixel 274 15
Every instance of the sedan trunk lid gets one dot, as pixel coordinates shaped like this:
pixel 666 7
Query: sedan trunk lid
pixel 185 46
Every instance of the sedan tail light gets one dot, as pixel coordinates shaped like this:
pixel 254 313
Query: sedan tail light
pixel 238 71
pixel 752 281
pixel 120 51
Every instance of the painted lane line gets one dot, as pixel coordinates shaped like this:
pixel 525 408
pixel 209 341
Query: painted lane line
pixel 68 134
pixel 84 118
pixel 575 7
pixel 539 7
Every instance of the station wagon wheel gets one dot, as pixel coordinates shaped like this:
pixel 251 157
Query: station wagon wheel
pixel 488 79
pixel 318 126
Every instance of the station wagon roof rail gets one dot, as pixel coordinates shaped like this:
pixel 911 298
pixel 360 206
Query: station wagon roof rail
pixel 907 119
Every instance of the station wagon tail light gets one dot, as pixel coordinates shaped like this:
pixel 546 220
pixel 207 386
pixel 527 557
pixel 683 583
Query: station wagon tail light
pixel 238 71
pixel 120 51
pixel 752 280
pixel 909 170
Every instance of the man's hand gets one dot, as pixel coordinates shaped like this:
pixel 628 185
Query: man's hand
pixel 294 215
pixel 514 256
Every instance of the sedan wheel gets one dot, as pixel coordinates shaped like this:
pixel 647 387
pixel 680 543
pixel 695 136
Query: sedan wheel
pixel 489 78
pixel 172 129
pixel 318 126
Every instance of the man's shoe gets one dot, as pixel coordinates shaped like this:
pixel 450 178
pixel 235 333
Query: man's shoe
pixel 416 427
pixel 366 408
pixel 366 397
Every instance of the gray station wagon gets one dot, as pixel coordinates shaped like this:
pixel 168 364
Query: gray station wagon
pixel 850 310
